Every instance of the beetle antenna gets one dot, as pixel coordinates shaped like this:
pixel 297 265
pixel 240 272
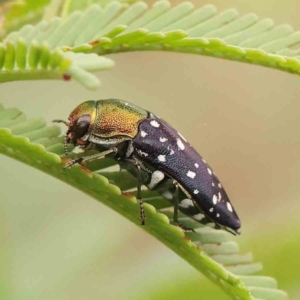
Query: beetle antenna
pixel 61 121
pixel 66 136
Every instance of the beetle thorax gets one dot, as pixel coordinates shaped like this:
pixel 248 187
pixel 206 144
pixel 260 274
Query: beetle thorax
pixel 116 119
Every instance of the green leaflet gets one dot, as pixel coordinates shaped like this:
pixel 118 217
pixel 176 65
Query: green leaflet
pixel 117 27
pixel 24 60
pixel 212 252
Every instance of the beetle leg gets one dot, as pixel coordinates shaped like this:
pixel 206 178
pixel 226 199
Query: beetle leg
pixel 176 200
pixel 138 174
pixel 142 175
pixel 139 194
pixel 175 214
pixel 89 158
pixel 136 166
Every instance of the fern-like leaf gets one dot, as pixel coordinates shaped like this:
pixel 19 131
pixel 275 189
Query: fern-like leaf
pixel 212 252
pixel 25 60
pixel 119 28
pixel 18 13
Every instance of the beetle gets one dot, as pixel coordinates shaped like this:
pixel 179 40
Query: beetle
pixel 157 155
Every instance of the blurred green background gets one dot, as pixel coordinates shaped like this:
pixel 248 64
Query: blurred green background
pixel 59 244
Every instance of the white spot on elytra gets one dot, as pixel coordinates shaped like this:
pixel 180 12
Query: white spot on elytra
pixel 172 152
pixel 162 139
pixel 219 185
pixel 219 196
pixel 209 171
pixel 229 207
pixel 143 133
pixel 182 136
pixel 218 215
pixel 211 209
pixel 196 165
pixel 215 199
pixel 212 184
pixel 154 124
pixel 196 192
pixel 191 174
pixel 161 158
pixel 180 144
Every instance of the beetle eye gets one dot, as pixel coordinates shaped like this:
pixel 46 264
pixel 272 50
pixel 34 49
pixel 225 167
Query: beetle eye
pixel 81 126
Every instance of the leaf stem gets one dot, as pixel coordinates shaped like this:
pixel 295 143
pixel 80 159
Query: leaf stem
pixel 6 76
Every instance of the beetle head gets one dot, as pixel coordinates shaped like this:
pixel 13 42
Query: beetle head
pixel 80 124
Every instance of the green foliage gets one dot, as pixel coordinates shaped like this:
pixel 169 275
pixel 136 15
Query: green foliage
pixel 122 28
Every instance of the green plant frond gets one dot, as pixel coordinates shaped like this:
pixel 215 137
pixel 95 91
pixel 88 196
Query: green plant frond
pixel 53 9
pixel 215 253
pixel 25 60
pixel 182 28
pixel 21 12
pixel 17 13
pixel 74 5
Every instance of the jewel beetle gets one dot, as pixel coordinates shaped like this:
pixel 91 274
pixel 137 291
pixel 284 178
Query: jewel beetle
pixel 157 155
